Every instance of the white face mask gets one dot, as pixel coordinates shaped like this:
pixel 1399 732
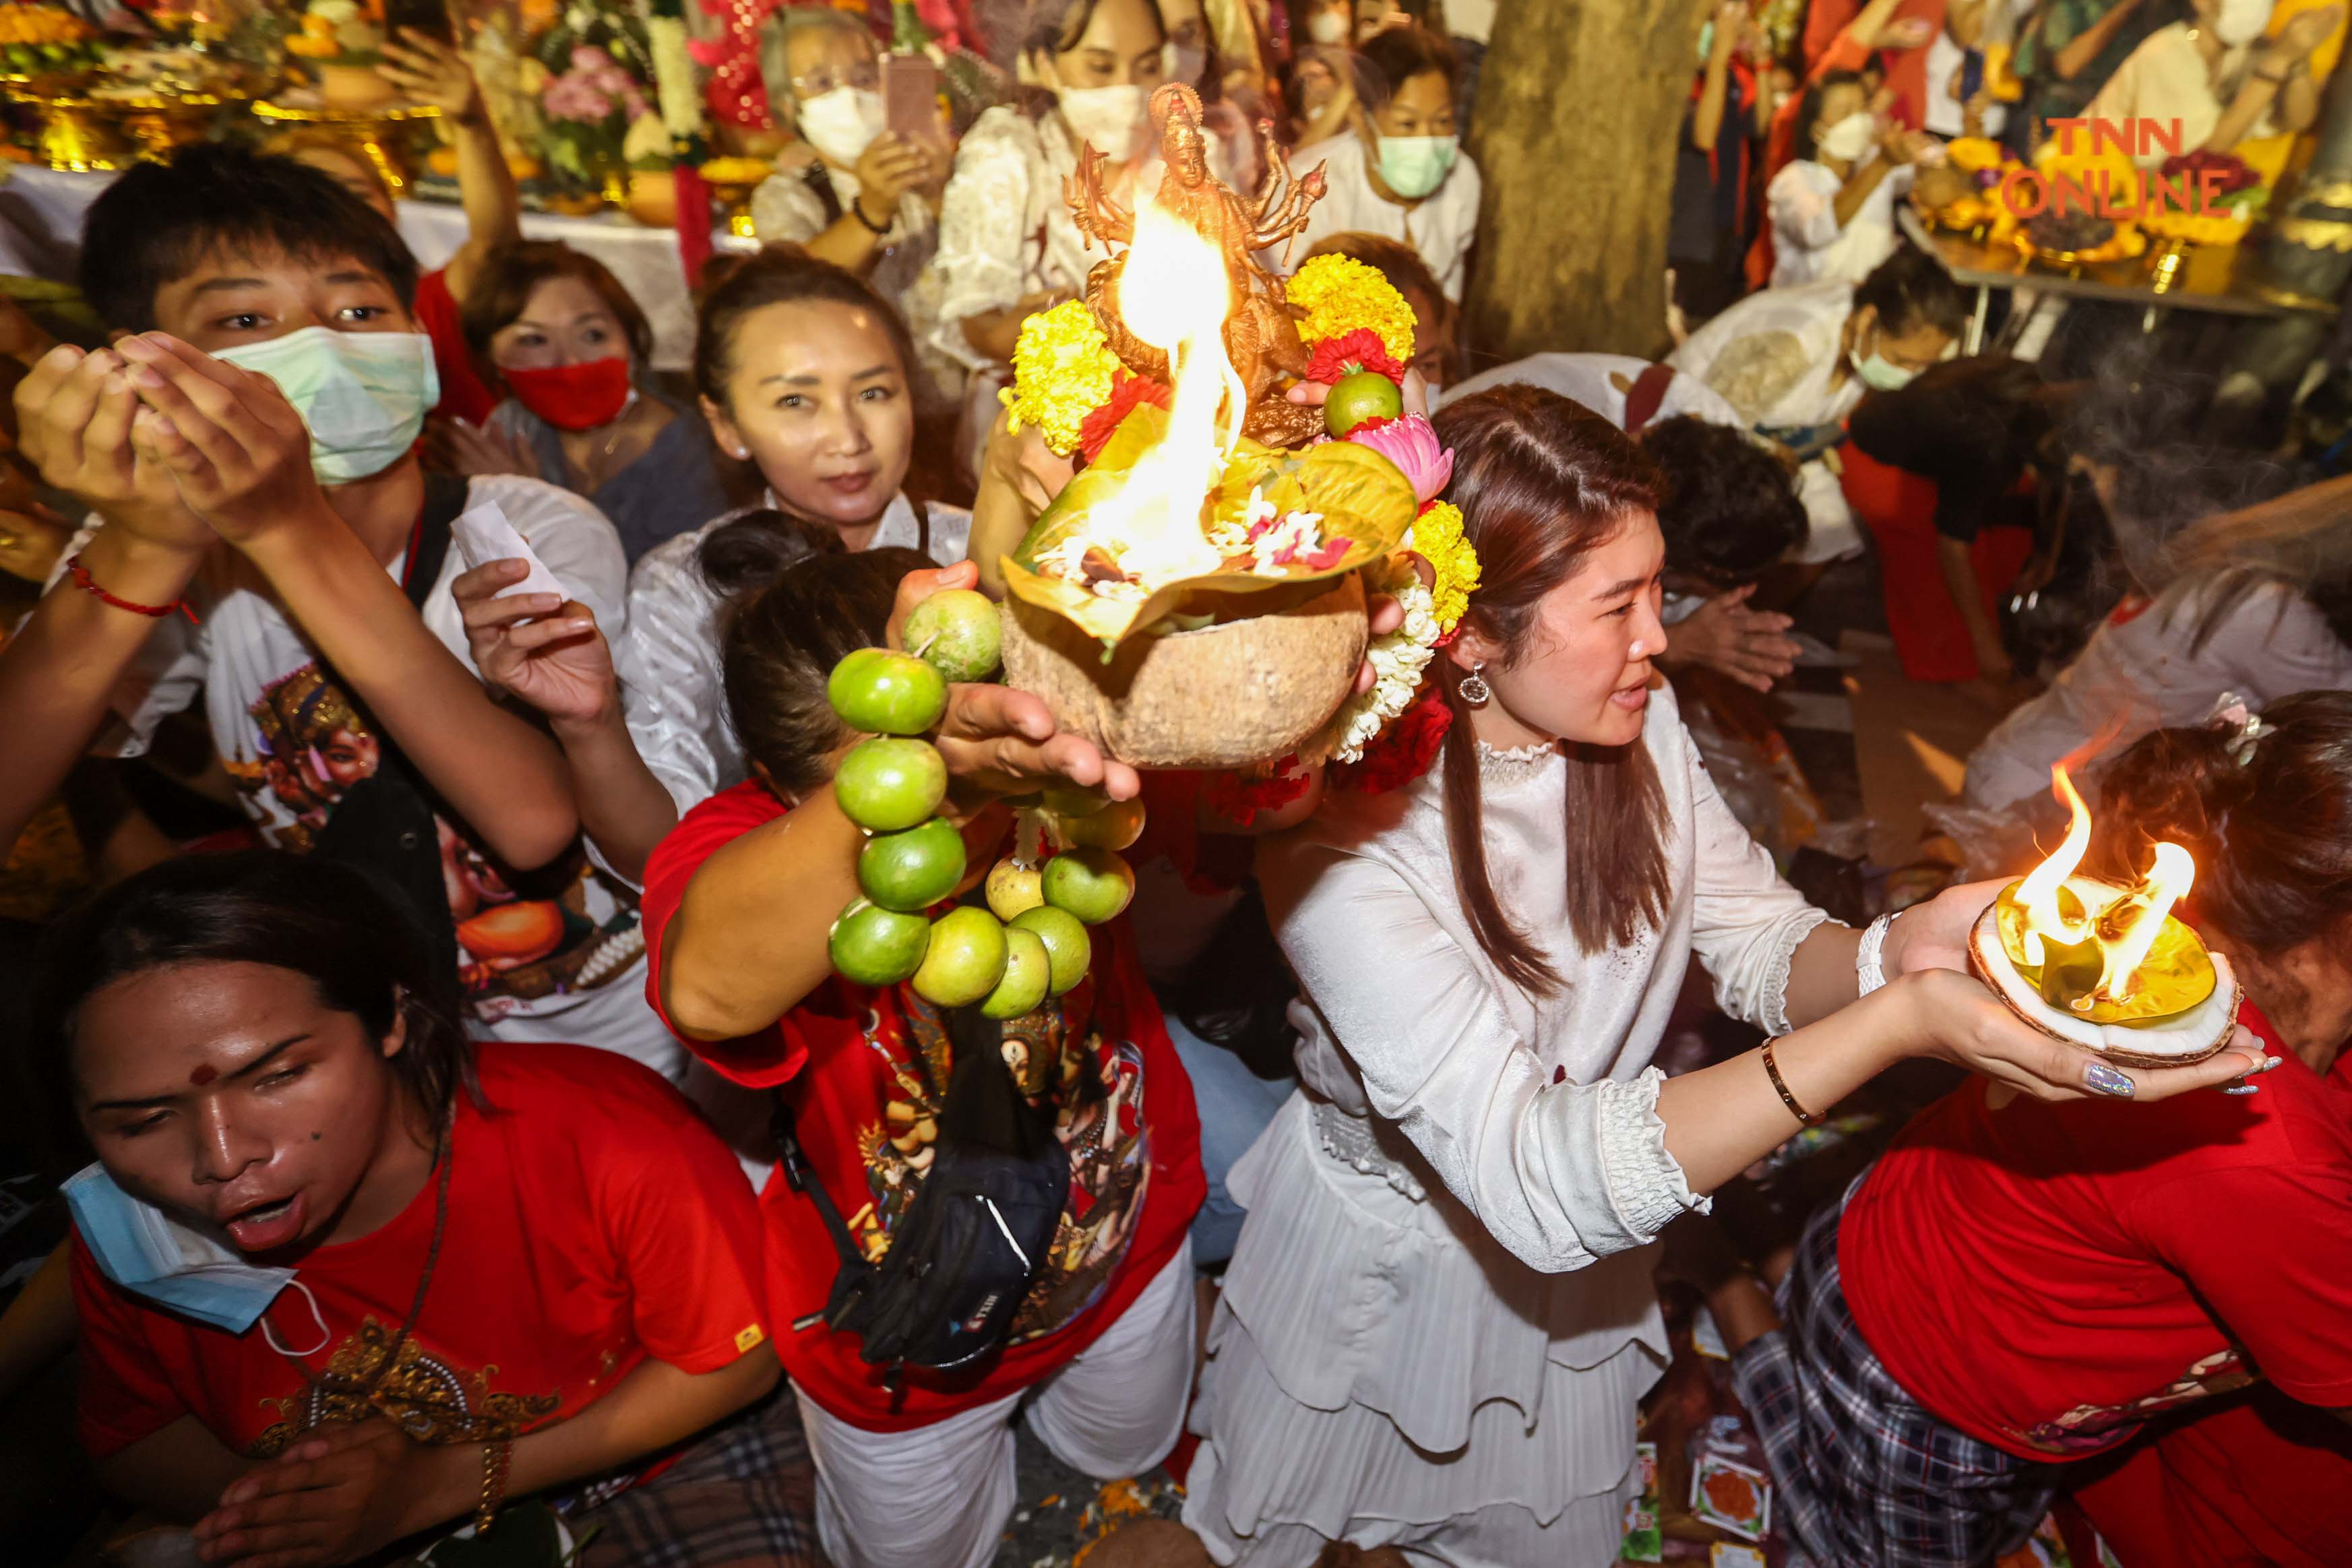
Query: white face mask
pixel 1114 120
pixel 2241 21
pixel 1850 138
pixel 363 394
pixel 1328 27
pixel 841 123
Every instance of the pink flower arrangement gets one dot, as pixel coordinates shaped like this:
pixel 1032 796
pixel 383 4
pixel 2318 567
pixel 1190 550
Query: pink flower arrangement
pixel 1411 442
pixel 593 89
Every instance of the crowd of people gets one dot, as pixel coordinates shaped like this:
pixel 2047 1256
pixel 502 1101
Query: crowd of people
pixel 448 1113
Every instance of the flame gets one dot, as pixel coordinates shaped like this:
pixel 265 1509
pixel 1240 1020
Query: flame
pixel 2125 929
pixel 2038 893
pixel 1173 294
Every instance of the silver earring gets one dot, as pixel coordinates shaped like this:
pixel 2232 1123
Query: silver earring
pixel 1474 689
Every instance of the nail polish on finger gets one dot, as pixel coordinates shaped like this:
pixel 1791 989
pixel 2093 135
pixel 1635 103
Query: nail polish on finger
pixel 2101 1079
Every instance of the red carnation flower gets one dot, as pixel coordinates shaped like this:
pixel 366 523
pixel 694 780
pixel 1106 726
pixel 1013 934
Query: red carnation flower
pixel 1360 350
pixel 1239 800
pixel 1403 751
pixel 1126 392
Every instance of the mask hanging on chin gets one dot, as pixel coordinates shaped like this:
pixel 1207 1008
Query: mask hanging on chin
pixel 1113 121
pixel 1413 166
pixel 151 1253
pixel 1849 139
pixel 574 397
pixel 843 123
pixel 2241 21
pixel 363 395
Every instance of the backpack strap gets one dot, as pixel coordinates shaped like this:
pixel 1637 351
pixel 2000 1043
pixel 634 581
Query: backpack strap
pixel 802 1179
pixel 428 546
pixel 1646 396
pixel 819 180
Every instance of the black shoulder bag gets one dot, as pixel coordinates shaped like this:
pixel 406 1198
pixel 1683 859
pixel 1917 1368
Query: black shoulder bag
pixel 384 824
pixel 963 1258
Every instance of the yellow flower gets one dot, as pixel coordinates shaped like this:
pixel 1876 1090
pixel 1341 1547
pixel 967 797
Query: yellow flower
pixel 1062 367
pixel 1437 539
pixel 1340 294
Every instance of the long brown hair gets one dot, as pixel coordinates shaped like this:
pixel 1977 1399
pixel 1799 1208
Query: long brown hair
pixel 1541 481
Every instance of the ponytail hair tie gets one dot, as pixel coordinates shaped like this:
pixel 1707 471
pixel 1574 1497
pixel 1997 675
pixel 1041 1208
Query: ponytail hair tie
pixel 2241 723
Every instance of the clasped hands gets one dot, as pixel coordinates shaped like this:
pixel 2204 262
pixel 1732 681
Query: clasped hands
pixel 168 442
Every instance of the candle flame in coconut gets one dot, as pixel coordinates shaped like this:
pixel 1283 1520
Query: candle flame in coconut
pixel 2127 928
pixel 1173 294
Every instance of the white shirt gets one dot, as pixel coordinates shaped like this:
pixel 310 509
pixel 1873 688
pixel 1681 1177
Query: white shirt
pixel 1946 112
pixel 2166 78
pixel 1539 1114
pixel 2139 670
pixel 1440 228
pixel 1005 232
pixel 540 962
pixel 1599 381
pixel 1808 244
pixel 673 692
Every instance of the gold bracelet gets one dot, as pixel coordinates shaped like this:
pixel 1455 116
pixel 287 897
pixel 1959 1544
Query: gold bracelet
pixel 1772 1071
pixel 495 1460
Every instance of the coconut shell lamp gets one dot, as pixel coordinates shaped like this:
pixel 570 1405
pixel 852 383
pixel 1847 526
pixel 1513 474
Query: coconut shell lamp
pixel 1192 598
pixel 2107 967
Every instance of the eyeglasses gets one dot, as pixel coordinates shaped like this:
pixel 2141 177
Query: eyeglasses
pixel 865 75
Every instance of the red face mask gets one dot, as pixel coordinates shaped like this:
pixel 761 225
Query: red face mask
pixel 574 397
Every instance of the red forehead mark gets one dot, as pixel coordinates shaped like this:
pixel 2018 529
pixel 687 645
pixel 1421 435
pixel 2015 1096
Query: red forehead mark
pixel 204 1074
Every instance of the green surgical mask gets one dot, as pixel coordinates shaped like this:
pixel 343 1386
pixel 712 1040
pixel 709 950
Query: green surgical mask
pixel 1881 374
pixel 363 395
pixel 1413 166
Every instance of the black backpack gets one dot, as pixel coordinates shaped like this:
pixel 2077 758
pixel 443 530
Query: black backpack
pixel 963 1258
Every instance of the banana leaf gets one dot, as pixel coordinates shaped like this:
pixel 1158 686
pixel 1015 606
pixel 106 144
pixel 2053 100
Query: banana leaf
pixel 1363 498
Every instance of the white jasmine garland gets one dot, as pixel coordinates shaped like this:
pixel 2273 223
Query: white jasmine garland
pixel 1398 661
pixel 674 89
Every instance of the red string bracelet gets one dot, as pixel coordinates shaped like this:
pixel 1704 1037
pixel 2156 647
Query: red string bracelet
pixel 89 585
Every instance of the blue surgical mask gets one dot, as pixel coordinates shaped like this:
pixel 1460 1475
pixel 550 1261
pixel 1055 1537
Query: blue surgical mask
pixel 1413 166
pixel 150 1252
pixel 363 394
pixel 1881 374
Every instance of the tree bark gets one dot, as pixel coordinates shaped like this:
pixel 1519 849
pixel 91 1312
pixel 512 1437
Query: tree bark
pixel 1579 111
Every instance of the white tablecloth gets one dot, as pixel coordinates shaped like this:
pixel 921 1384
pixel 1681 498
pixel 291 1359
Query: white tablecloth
pixel 40 235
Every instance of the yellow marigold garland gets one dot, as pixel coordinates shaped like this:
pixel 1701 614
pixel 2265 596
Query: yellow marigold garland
pixel 1340 294
pixel 1437 539
pixel 1062 367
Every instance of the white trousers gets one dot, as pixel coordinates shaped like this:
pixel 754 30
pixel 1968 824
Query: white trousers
pixel 939 1496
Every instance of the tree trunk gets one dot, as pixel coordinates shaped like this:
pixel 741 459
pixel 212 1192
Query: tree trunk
pixel 1579 111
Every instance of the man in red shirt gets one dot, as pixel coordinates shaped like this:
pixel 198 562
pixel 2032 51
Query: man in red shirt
pixel 339 1285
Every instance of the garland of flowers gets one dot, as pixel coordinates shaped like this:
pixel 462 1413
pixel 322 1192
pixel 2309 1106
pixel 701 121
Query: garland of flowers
pixel 1340 294
pixel 1063 369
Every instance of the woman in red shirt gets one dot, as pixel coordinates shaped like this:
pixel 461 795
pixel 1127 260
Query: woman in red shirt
pixel 341 1283
pixel 2016 1286
pixel 738 900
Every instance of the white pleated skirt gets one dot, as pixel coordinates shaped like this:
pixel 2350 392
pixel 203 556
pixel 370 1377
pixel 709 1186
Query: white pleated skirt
pixel 1382 1372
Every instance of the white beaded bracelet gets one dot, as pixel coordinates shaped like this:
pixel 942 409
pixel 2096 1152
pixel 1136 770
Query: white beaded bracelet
pixel 1868 973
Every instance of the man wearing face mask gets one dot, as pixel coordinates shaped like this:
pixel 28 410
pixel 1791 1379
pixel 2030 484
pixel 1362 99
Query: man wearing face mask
pixel 1007 247
pixel 1795 361
pixel 2217 78
pixel 248 453
pixel 1402 174
pixel 866 199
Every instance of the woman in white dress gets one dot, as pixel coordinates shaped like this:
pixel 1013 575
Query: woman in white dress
pixel 1007 247
pixel 1441 1315
pixel 1831 208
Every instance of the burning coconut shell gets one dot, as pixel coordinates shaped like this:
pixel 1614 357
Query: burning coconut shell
pixel 1228 695
pixel 2133 1036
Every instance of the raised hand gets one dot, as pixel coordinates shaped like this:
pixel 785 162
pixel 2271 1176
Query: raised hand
pixel 74 418
pixel 891 166
pixel 429 71
pixel 239 452
pixel 1746 644
pixel 453 446
pixel 560 664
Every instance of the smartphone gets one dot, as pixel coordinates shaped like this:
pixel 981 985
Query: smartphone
pixel 910 95
pixel 430 18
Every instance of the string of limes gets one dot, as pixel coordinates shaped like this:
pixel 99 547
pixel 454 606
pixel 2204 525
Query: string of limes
pixel 1031 942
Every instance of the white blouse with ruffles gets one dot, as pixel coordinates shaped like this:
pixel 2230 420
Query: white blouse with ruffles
pixel 1536 1112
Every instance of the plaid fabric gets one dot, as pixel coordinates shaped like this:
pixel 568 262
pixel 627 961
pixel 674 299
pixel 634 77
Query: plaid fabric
pixel 1863 1474
pixel 743 1496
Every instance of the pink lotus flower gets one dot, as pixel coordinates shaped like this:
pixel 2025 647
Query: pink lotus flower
pixel 1412 444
